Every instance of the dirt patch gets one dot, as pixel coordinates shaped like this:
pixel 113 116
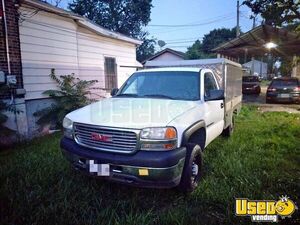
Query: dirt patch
pixel 278 108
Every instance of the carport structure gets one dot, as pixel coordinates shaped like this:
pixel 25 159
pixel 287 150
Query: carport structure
pixel 261 41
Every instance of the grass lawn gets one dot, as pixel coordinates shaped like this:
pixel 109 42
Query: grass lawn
pixel 260 161
pixel 265 83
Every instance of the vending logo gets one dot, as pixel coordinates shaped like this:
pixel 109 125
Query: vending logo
pixel 265 210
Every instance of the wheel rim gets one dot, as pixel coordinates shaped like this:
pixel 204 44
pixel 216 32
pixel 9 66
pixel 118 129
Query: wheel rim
pixel 195 170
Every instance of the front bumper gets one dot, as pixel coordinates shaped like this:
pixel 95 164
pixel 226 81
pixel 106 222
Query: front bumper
pixel 164 168
pixel 251 90
pixel 293 98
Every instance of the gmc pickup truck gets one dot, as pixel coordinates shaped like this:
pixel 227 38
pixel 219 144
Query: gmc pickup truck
pixel 153 130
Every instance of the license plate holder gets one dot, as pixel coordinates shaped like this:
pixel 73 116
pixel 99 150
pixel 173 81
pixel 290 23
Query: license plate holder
pixel 284 95
pixel 98 169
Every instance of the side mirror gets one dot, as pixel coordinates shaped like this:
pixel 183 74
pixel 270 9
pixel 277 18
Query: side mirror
pixel 215 95
pixel 114 91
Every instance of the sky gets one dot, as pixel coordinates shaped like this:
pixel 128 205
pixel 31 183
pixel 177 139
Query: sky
pixel 185 21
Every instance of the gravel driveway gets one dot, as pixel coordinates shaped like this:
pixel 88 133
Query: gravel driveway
pixel 260 102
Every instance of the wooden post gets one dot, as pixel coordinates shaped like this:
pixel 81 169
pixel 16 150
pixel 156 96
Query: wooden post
pixel 296 67
pixel 252 65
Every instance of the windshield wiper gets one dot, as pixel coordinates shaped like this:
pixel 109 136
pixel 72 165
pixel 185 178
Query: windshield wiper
pixel 127 95
pixel 158 96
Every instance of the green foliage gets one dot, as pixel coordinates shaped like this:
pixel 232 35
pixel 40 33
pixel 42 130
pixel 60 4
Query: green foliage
pixel 210 41
pixel 123 16
pixel 275 12
pixel 146 49
pixel 260 161
pixel 216 37
pixel 286 67
pixel 195 51
pixel 5 107
pixel 72 94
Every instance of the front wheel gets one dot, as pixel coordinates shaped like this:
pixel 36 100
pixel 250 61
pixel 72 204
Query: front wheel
pixel 193 167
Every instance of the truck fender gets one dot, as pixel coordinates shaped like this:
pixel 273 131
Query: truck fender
pixel 197 132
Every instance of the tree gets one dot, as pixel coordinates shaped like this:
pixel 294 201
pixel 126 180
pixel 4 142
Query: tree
pixel 216 37
pixel 275 12
pixel 123 16
pixel 195 51
pixel 54 2
pixel 146 49
pixel 210 41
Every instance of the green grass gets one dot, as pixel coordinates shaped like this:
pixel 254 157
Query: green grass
pixel 260 161
pixel 265 83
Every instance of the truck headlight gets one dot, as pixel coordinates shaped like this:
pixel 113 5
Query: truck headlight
pixel 158 138
pixel 68 127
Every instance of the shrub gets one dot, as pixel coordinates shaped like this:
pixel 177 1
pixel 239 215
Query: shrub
pixel 72 93
pixel 5 107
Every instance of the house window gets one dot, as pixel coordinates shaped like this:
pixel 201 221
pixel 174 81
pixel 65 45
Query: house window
pixel 110 70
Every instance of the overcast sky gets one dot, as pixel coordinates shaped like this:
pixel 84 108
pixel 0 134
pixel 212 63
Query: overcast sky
pixel 191 19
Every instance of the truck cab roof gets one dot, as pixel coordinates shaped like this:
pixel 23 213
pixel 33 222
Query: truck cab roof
pixel 186 69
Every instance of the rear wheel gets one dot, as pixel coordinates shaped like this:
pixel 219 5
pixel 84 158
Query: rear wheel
pixel 227 132
pixel 192 171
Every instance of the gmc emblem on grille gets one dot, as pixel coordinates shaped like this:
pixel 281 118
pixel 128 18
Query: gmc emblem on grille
pixel 100 137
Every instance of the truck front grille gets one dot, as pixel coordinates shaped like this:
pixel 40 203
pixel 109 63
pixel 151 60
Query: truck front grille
pixel 105 138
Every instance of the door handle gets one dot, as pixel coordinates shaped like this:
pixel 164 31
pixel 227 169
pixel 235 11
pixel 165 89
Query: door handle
pixel 222 105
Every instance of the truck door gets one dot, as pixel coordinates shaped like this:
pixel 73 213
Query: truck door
pixel 214 109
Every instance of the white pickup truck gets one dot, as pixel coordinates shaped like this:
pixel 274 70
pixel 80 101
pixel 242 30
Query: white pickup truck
pixel 153 130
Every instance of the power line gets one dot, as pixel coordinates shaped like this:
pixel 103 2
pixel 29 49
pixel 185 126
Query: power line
pixel 184 39
pixel 195 23
pixel 185 28
pixel 179 46
pixel 179 42
pixel 192 25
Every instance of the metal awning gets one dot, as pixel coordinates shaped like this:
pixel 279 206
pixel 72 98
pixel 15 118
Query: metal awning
pixel 253 43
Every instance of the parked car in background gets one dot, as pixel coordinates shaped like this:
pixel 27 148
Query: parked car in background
pixel 286 90
pixel 251 85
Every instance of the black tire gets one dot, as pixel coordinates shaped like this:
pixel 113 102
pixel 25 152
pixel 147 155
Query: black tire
pixel 228 131
pixel 193 168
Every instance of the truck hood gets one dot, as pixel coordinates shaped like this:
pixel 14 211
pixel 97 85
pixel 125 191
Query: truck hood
pixel 135 113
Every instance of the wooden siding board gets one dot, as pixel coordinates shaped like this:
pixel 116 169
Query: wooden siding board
pixel 51 41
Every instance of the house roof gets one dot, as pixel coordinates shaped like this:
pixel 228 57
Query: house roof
pixel 253 41
pixel 81 20
pixel 172 51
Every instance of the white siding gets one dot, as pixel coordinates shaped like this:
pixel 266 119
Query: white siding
pixel 51 41
pixel 259 67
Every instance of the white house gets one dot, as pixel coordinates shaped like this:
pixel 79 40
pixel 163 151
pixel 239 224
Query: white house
pixel 50 37
pixel 257 67
pixel 167 54
pixel 54 38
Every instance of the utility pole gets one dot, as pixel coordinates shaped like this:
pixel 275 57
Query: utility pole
pixel 254 24
pixel 237 18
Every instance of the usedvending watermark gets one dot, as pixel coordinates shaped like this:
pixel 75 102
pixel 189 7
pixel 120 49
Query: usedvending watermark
pixel 265 210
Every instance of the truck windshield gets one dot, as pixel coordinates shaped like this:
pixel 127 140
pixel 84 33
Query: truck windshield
pixel 178 85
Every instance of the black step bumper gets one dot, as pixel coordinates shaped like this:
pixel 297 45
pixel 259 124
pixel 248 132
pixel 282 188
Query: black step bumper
pixel 164 168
